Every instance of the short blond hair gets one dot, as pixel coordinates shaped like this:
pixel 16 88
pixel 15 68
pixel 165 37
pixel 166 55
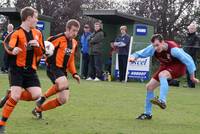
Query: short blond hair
pixel 72 22
pixel 124 28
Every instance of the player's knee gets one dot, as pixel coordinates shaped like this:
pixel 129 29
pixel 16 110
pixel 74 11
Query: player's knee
pixel 148 86
pixel 36 96
pixel 62 87
pixel 16 97
pixel 62 100
pixel 162 74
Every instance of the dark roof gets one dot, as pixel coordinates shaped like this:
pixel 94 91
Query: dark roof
pixel 14 13
pixel 116 17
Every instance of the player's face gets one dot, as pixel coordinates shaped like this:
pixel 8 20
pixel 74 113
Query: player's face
pixel 72 32
pixel 33 20
pixel 158 45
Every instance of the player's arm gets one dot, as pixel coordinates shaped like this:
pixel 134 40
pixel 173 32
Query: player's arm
pixel 187 60
pixel 55 41
pixel 10 44
pixel 72 68
pixel 39 50
pixel 144 53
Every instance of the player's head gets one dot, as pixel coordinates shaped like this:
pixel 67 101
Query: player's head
pixel 123 29
pixel 158 42
pixel 30 16
pixel 192 28
pixel 10 28
pixel 72 28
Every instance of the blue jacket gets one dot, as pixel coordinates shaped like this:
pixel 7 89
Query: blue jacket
pixel 123 44
pixel 84 42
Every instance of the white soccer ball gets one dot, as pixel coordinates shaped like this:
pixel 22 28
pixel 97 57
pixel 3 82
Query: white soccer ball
pixel 49 48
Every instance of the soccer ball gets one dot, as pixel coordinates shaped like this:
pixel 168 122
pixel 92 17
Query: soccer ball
pixel 49 48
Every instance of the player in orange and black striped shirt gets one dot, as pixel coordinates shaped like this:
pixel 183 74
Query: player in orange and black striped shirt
pixel 58 65
pixel 25 47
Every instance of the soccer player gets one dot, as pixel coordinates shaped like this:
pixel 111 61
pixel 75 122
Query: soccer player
pixel 173 61
pixel 58 64
pixel 25 48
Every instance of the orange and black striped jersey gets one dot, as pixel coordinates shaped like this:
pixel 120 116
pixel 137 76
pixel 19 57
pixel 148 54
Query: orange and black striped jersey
pixel 29 56
pixel 64 52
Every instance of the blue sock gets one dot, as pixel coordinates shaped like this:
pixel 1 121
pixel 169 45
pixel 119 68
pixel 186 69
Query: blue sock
pixel 164 87
pixel 148 105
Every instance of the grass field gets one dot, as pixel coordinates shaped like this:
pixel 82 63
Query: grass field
pixel 108 108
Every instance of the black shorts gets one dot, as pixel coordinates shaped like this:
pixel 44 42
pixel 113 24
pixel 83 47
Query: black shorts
pixel 23 77
pixel 54 72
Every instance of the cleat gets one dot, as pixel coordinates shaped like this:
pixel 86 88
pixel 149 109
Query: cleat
pixel 2 130
pixel 4 99
pixel 40 101
pixel 158 102
pixel 37 114
pixel 144 117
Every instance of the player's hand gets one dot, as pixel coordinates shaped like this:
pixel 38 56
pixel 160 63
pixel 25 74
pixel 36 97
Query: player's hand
pixel 77 77
pixel 132 59
pixel 16 50
pixel 33 43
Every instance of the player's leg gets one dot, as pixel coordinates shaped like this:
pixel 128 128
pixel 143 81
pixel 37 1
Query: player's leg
pixel 164 87
pixel 151 85
pixel 10 104
pixel 35 93
pixel 62 84
pixel 53 73
pixel 63 95
pixel 16 83
pixel 5 98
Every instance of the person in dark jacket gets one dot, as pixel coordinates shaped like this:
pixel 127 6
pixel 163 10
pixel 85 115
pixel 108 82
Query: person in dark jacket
pixel 122 43
pixel 96 45
pixel 10 28
pixel 85 50
pixel 192 45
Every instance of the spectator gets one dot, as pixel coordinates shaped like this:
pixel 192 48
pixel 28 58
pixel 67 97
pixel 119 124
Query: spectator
pixel 122 43
pixel 85 50
pixel 96 44
pixel 4 69
pixel 191 45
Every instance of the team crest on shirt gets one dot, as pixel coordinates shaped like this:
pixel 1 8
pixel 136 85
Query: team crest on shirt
pixel 168 56
pixel 68 51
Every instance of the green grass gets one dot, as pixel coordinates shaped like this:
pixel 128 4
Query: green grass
pixel 108 108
